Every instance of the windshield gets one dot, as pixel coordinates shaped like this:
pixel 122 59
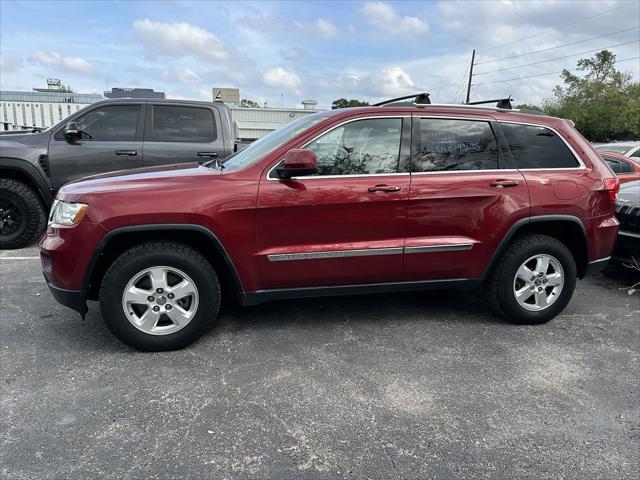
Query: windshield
pixel 613 148
pixel 258 149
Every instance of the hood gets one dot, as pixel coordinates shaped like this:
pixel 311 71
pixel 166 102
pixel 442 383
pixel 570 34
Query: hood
pixel 160 178
pixel 21 140
pixel 630 194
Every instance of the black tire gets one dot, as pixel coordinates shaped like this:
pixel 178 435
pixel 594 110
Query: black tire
pixel 22 217
pixel 499 287
pixel 152 254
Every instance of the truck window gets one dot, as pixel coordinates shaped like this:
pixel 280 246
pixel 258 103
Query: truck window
pixel 110 123
pixel 537 147
pixel 171 123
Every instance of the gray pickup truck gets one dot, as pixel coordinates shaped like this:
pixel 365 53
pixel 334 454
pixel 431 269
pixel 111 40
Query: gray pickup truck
pixel 103 137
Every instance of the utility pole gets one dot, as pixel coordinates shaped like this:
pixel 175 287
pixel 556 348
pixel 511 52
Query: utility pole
pixel 473 57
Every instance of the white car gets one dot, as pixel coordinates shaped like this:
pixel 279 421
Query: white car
pixel 628 149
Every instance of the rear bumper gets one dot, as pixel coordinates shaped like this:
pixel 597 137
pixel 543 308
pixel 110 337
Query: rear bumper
pixel 628 246
pixel 596 266
pixel 73 299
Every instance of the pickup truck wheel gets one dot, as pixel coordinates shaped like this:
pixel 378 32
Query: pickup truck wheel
pixel 22 215
pixel 533 280
pixel 159 296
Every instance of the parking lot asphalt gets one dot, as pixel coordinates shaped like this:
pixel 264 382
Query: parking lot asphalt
pixel 413 386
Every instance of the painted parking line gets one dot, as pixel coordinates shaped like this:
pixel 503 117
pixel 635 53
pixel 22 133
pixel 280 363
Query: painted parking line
pixel 19 258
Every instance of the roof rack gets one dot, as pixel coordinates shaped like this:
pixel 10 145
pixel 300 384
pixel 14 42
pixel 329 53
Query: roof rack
pixel 419 99
pixel 500 102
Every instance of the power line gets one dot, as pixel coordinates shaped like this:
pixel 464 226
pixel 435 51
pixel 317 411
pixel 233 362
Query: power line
pixel 559 46
pixel 557 28
pixel 455 95
pixel 557 58
pixel 543 74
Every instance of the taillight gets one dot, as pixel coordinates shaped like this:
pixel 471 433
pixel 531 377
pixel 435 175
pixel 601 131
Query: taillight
pixel 612 185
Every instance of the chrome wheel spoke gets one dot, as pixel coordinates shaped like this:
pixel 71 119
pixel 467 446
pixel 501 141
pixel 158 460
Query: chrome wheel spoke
pixel 149 320
pixel 524 273
pixel 178 315
pixel 541 298
pixel 542 264
pixel 524 293
pixel 554 279
pixel 184 289
pixel 136 296
pixel 158 278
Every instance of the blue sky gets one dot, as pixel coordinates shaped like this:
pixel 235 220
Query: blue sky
pixel 283 52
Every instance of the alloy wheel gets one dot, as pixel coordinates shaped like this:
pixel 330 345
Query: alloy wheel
pixel 160 300
pixel 538 282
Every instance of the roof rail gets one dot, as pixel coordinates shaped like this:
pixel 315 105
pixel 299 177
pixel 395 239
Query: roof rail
pixel 501 102
pixel 419 99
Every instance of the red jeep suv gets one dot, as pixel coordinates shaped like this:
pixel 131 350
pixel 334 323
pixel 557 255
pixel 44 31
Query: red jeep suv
pixel 398 196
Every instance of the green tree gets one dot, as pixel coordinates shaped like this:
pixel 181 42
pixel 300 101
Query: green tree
pixel 526 106
pixel 603 102
pixel 344 103
pixel 246 103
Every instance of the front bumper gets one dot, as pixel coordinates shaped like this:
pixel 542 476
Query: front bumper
pixel 73 299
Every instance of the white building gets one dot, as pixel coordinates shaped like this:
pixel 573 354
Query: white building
pixel 254 123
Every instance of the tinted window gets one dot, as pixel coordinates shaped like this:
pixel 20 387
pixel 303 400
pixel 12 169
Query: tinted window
pixel 181 124
pixel 116 122
pixel 613 164
pixel 636 154
pixel 443 145
pixel 537 147
pixel 359 148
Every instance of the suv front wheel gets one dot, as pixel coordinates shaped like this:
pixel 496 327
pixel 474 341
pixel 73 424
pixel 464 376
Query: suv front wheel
pixel 533 280
pixel 159 296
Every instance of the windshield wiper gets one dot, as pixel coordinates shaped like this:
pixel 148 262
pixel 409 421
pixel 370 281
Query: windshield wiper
pixel 215 163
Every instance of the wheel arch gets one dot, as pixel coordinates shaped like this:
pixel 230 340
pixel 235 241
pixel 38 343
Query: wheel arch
pixel 568 229
pixel 28 174
pixel 118 240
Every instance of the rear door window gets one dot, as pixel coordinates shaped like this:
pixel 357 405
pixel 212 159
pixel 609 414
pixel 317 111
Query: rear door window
pixel 171 123
pixel 537 147
pixel 442 144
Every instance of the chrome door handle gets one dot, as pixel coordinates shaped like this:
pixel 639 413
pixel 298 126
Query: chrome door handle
pixel 504 183
pixel 207 154
pixel 129 153
pixel 384 189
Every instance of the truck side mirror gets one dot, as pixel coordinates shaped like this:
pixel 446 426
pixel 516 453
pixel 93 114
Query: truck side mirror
pixel 298 162
pixel 71 131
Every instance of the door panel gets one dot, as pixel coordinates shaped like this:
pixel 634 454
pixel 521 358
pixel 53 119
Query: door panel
pixel 179 134
pixel 456 218
pixel 347 234
pixel 347 225
pixel 116 144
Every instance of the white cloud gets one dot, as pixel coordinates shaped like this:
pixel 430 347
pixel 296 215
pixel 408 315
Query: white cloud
pixel 262 23
pixel 383 16
pixel 325 28
pixel 386 82
pixel 67 64
pixel 294 53
pixel 281 78
pixel 182 75
pixel 179 39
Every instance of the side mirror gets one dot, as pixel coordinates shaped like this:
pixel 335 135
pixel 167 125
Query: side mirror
pixel 298 162
pixel 71 131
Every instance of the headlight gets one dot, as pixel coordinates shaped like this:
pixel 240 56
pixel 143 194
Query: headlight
pixel 68 214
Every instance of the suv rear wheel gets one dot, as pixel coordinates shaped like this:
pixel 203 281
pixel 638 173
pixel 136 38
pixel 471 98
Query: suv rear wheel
pixel 533 280
pixel 159 296
pixel 22 215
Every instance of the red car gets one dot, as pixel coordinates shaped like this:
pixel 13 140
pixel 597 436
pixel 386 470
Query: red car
pixel 401 196
pixel 627 169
